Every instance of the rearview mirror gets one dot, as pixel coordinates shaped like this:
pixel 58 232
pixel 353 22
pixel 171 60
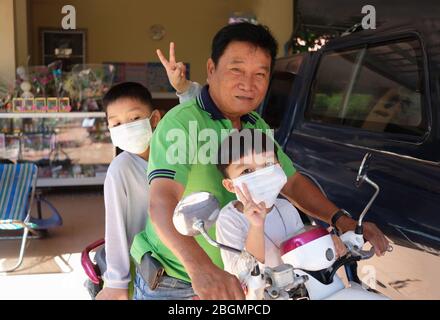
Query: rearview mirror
pixel 195 208
pixel 197 213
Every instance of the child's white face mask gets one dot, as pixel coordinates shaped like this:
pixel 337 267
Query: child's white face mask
pixel 133 137
pixel 264 185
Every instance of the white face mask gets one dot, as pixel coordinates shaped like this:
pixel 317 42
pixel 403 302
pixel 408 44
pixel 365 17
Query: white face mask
pixel 133 137
pixel 264 185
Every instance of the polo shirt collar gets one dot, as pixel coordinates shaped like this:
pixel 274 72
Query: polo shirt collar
pixel 206 103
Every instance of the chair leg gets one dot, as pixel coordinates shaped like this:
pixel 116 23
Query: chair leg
pixel 22 249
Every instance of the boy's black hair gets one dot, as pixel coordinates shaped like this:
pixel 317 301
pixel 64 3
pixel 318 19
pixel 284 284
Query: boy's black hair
pixel 128 90
pixel 240 144
pixel 258 35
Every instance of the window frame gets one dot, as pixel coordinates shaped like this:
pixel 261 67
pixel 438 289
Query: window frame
pixel 289 97
pixel 335 130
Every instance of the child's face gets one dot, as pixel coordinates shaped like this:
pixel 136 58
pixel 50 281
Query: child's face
pixel 248 164
pixel 128 110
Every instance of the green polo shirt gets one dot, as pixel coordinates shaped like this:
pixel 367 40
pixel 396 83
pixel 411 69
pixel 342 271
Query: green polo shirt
pixel 180 148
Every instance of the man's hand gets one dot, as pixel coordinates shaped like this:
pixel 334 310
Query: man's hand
pixel 112 294
pixel 211 283
pixel 208 281
pixel 376 238
pixel 307 197
pixel 176 71
pixel 371 233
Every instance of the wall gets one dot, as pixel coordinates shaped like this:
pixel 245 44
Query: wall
pixel 7 40
pixel 21 31
pixel 119 30
pixel 278 15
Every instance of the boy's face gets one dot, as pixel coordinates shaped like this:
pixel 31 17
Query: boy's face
pixel 248 164
pixel 128 110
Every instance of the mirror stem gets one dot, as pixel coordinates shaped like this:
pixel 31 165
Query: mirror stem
pixel 199 225
pixel 361 218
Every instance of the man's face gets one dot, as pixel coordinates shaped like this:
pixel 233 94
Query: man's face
pixel 240 80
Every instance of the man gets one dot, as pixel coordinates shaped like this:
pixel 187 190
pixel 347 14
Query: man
pixel 239 72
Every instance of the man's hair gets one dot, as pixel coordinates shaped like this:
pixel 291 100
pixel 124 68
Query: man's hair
pixel 128 90
pixel 258 35
pixel 241 143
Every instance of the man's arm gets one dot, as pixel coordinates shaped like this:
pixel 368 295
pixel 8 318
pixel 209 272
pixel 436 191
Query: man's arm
pixel 307 197
pixel 208 281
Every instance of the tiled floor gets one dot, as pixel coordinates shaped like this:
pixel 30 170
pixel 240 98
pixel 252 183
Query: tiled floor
pixel 52 268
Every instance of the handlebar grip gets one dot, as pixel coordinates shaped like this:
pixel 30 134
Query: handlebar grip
pixel 87 264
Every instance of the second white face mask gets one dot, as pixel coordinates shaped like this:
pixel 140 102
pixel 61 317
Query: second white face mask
pixel 264 185
pixel 132 137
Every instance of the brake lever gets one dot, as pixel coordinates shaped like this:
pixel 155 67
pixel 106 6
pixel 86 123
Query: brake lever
pixel 363 254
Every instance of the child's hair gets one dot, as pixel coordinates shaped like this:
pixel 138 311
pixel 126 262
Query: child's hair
pixel 128 90
pixel 240 144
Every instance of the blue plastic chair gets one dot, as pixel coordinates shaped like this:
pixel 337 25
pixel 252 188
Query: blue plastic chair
pixel 17 193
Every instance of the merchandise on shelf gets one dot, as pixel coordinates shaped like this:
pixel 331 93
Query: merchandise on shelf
pixel 6 94
pixel 89 84
pixel 39 81
pixel 41 105
pixel 67 148
pixel 47 89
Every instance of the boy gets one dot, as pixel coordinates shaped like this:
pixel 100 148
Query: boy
pixel 131 119
pixel 259 221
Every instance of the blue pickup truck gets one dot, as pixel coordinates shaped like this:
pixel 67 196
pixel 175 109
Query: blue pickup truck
pixel 372 91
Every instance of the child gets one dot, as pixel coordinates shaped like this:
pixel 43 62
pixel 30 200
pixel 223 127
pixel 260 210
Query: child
pixel 259 221
pixel 131 119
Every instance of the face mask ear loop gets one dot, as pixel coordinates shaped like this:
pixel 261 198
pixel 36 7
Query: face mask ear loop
pixel 149 120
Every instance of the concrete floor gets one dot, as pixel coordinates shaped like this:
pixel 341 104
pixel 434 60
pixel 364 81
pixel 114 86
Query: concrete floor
pixel 405 273
pixel 52 269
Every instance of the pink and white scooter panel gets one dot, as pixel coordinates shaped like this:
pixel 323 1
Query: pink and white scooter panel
pixel 312 250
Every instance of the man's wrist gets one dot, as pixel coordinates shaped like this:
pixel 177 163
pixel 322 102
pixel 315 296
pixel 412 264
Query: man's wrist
pixel 196 265
pixel 345 224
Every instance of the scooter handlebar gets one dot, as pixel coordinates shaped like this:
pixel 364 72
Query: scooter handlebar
pixel 364 254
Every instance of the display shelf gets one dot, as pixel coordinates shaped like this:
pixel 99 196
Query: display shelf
pixel 54 115
pixel 164 95
pixel 71 149
pixel 68 182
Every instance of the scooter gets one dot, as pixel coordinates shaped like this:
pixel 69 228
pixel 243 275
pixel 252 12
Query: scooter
pixel 310 264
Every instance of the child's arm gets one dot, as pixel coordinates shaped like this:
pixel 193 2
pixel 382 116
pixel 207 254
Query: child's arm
pixel 255 243
pixel 256 215
pixel 176 71
pixel 232 232
pixel 341 249
pixel 117 275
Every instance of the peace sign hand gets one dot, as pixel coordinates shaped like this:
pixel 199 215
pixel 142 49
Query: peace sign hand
pixel 176 71
pixel 254 213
